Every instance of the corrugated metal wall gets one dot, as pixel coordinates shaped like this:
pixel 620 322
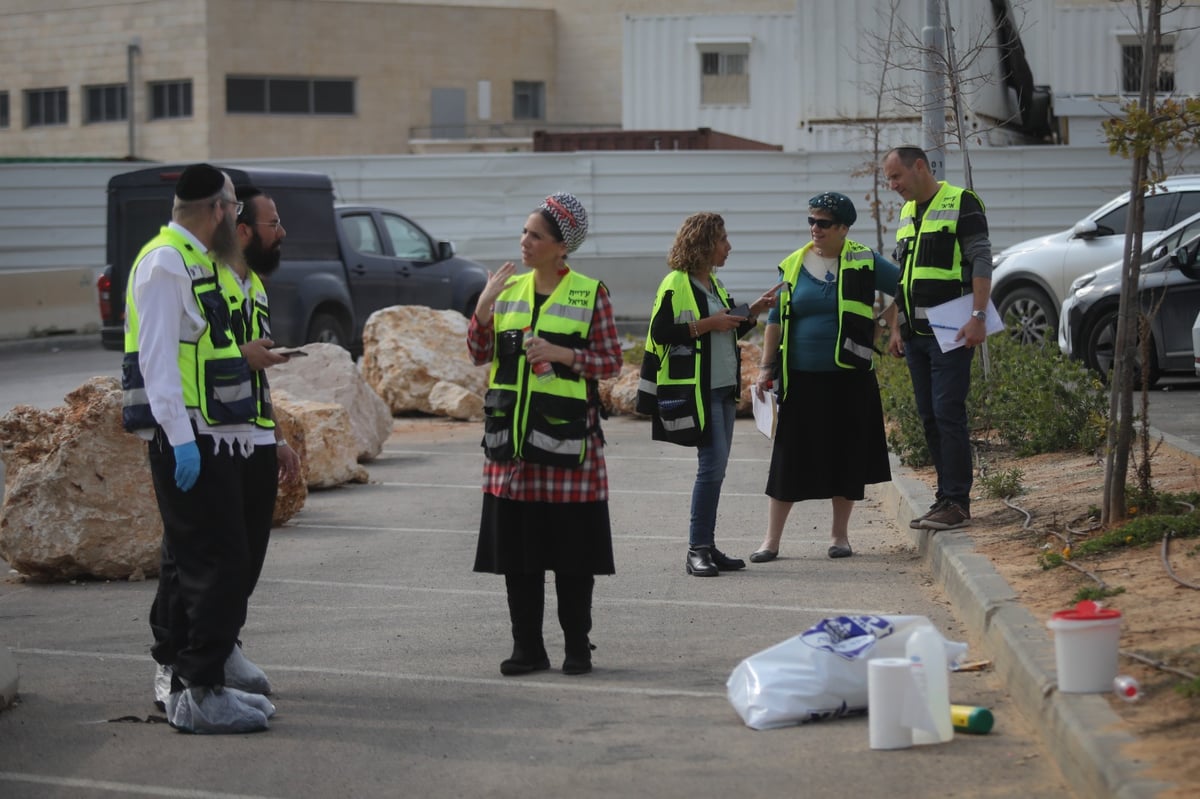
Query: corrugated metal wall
pixel 52 215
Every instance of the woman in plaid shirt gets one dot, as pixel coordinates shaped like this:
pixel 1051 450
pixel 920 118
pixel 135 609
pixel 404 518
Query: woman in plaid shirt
pixel 540 516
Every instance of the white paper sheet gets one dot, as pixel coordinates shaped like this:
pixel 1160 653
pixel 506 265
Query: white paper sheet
pixel 949 317
pixel 764 412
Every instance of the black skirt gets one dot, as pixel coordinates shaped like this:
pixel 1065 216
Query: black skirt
pixel 829 439
pixel 532 537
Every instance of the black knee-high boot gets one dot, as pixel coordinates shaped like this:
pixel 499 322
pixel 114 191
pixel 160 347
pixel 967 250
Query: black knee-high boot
pixel 575 616
pixel 526 603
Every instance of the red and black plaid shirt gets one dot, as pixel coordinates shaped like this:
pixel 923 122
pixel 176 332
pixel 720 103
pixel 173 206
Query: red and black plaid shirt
pixel 533 482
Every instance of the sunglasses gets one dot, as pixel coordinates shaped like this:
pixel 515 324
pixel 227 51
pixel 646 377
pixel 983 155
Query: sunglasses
pixel 824 224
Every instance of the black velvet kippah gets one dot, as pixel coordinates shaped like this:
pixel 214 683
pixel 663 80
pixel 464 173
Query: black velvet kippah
pixel 199 182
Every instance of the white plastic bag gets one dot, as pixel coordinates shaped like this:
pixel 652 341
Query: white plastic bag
pixel 821 673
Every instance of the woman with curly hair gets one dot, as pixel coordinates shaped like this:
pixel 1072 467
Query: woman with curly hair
pixel 691 373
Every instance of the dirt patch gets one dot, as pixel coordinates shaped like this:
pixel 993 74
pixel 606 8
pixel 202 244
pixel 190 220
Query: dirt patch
pixel 1161 619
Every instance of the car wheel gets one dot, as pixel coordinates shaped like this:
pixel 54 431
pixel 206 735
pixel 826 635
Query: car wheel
pixel 1029 316
pixel 328 329
pixel 1100 348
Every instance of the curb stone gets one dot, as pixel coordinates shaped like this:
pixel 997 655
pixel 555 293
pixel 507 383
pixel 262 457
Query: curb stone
pixel 1080 731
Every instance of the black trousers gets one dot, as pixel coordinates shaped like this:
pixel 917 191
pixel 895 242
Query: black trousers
pixel 260 486
pixel 206 562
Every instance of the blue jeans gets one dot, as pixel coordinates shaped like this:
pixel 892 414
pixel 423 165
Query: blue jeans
pixel 710 472
pixel 941 381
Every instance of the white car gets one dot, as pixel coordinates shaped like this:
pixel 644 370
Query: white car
pixel 1030 280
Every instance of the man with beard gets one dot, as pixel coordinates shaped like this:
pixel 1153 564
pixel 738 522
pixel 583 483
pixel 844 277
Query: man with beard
pixel 188 391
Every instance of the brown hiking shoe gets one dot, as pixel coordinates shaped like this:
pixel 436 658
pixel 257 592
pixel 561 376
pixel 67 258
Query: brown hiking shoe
pixel 948 517
pixel 917 523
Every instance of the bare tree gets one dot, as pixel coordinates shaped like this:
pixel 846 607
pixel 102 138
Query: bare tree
pixel 1147 129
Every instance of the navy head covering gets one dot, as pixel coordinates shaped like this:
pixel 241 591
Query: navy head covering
pixel 199 182
pixel 837 204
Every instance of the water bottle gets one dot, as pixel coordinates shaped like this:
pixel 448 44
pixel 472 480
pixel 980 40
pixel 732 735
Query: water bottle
pixel 544 370
pixel 927 653
pixel 1127 688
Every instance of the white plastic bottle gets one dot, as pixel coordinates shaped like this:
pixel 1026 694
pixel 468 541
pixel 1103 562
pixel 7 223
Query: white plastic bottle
pixel 927 653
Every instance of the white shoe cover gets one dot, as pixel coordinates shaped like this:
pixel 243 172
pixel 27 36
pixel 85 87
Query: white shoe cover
pixel 253 700
pixel 162 685
pixel 240 673
pixel 212 711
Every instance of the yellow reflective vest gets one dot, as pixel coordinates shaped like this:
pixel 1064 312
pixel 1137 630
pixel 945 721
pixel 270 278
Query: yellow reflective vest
pixel 671 386
pixel 539 419
pixel 854 345
pixel 931 261
pixel 250 318
pixel 216 378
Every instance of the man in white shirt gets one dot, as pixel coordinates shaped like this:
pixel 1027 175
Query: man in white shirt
pixel 188 392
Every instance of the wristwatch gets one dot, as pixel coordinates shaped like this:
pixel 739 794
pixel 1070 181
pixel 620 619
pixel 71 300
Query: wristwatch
pixel 979 314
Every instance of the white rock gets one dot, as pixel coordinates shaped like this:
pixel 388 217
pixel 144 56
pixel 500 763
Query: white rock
pixel 447 399
pixel 331 455
pixel 329 374
pixel 409 349
pixel 78 497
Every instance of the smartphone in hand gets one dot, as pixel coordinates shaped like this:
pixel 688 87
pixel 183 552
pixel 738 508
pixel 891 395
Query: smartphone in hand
pixel 742 310
pixel 290 353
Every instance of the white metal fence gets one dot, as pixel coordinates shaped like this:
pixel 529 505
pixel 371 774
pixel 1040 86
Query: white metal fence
pixel 52 216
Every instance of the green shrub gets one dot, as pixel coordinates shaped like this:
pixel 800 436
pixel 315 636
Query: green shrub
pixel 1034 399
pixel 1004 484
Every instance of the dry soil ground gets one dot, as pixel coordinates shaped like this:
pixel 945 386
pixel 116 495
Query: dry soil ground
pixel 1161 618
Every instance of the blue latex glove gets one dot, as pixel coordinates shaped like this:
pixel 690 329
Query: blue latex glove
pixel 187 465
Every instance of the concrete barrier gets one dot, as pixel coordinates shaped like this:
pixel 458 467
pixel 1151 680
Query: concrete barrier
pixel 48 301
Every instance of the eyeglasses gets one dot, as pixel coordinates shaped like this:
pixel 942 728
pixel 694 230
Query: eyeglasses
pixel 237 206
pixel 275 225
pixel 824 224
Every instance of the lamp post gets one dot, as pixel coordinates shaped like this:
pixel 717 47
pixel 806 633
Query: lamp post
pixel 134 49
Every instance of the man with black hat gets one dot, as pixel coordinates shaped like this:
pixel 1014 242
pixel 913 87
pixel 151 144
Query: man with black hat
pixel 188 392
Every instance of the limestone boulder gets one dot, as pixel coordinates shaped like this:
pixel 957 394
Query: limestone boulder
pixel 292 493
pixel 618 395
pixel 78 499
pixel 751 355
pixel 447 399
pixel 410 349
pixel 331 451
pixel 328 374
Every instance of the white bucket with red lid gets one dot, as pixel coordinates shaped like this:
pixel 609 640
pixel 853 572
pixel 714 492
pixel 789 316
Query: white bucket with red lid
pixel 1086 640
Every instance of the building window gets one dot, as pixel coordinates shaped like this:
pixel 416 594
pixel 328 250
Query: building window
pixel 171 99
pixel 529 99
pixel 317 96
pixel 725 74
pixel 1131 68
pixel 4 109
pixel 105 104
pixel 45 107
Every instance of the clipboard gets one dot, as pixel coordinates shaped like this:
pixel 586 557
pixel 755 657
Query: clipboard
pixel 949 317
pixel 766 412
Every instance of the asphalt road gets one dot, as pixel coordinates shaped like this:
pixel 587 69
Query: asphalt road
pixel 384 650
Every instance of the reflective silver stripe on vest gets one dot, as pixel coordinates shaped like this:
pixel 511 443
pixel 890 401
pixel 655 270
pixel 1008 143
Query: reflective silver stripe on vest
pixel 685 316
pixel 547 443
pixel 135 396
pixel 863 352
pixel 510 306
pixel 230 394
pixel 648 387
pixel 860 255
pixel 947 215
pixel 907 221
pixel 571 312
pixel 686 423
pixel 497 439
pixel 920 313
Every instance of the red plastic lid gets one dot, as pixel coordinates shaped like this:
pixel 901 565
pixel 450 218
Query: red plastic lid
pixel 1087 610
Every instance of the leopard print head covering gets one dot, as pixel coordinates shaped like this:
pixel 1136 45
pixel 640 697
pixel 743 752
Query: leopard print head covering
pixel 569 216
